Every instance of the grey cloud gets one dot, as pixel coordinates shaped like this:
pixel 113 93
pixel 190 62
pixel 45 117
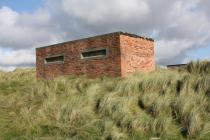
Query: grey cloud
pixel 182 22
pixel 204 4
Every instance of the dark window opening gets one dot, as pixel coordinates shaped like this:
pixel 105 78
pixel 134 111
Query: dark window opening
pixel 97 53
pixel 55 59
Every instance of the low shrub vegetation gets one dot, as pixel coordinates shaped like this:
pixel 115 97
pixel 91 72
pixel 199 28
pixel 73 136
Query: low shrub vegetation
pixel 164 104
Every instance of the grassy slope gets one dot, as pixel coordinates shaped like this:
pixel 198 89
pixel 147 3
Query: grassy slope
pixel 167 104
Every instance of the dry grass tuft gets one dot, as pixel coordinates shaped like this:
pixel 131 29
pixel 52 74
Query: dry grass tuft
pixel 164 104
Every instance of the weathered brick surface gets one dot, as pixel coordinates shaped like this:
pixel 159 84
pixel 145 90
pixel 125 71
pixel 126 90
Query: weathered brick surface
pixel 127 54
pixel 137 54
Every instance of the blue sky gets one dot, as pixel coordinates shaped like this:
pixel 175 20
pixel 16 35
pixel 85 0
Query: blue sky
pixel 200 53
pixel 27 24
pixel 22 5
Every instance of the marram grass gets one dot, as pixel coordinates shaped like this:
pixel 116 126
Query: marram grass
pixel 165 105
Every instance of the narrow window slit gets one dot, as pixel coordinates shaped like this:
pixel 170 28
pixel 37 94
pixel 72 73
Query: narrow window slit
pixel 54 59
pixel 95 53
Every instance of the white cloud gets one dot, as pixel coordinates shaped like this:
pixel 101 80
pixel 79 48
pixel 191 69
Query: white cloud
pixel 7 16
pixel 11 58
pixel 172 49
pixel 25 30
pixel 106 11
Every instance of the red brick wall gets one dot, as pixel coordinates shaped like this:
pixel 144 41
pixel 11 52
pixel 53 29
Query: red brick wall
pixel 127 54
pixel 74 65
pixel 137 54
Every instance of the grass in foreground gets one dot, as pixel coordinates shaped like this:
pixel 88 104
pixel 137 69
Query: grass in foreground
pixel 171 105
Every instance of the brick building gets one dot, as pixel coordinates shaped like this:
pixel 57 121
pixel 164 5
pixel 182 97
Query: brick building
pixel 113 54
